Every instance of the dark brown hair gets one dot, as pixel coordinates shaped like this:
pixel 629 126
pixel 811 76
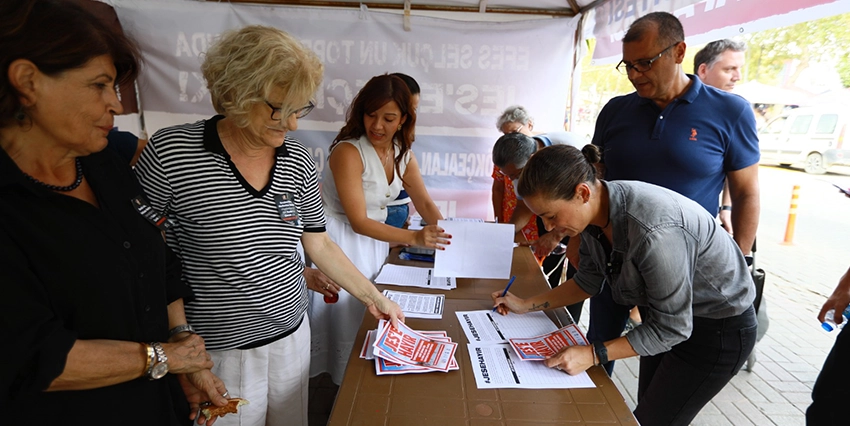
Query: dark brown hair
pixel 554 172
pixel 379 91
pixel 56 35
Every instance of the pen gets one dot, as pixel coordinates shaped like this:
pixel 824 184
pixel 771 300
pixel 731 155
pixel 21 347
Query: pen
pixel 508 287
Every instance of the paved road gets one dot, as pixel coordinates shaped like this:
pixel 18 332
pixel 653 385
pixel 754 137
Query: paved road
pixel 800 277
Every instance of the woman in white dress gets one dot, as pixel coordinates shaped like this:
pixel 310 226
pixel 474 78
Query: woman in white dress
pixel 370 162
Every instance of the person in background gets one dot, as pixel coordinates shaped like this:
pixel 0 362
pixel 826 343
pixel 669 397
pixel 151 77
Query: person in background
pixel 699 136
pixel 126 144
pixel 515 119
pixel 398 210
pixel 656 249
pixel 242 194
pixel 510 154
pixel 505 207
pixel 830 391
pixel 370 161
pixel 719 64
pixel 90 289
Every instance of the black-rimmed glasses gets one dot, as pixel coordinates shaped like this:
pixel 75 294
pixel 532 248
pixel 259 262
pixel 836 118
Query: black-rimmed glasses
pixel 299 113
pixel 642 65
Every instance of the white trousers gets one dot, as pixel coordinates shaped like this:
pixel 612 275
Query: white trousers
pixel 274 379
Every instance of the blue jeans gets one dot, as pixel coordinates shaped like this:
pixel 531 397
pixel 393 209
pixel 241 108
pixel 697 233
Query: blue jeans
pixel 397 215
pixel 607 320
pixel 675 385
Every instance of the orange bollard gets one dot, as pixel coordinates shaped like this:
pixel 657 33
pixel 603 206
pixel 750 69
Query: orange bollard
pixel 792 216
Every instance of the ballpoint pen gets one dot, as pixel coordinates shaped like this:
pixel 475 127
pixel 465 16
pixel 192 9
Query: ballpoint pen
pixel 508 287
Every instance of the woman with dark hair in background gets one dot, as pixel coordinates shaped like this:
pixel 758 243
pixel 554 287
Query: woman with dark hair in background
pixel 90 289
pixel 370 162
pixel 398 210
pixel 659 251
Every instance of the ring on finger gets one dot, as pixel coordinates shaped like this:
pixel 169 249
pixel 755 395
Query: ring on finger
pixel 225 394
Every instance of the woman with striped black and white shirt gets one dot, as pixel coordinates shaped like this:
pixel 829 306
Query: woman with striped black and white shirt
pixel 241 195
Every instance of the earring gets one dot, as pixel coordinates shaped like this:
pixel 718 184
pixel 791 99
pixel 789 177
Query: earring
pixel 399 128
pixel 20 115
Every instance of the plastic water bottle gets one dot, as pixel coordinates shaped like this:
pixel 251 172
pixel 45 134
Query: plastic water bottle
pixel 829 320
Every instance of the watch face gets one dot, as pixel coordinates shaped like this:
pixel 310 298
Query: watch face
pixel 159 370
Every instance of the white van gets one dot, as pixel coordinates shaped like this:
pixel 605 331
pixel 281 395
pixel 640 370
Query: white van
pixel 812 137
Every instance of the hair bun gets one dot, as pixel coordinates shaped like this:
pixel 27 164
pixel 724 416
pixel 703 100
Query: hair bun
pixel 591 153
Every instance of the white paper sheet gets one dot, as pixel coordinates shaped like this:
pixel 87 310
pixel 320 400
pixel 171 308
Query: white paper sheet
pixel 477 250
pixel 490 327
pixel 418 305
pixel 412 276
pixel 496 366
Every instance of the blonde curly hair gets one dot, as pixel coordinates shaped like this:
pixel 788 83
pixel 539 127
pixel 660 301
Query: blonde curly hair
pixel 243 67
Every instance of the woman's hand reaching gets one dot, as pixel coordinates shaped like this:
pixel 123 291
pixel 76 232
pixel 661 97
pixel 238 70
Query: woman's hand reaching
pixel 432 236
pixel 383 308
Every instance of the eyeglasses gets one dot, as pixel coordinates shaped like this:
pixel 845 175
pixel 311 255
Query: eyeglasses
pixel 299 113
pixel 642 65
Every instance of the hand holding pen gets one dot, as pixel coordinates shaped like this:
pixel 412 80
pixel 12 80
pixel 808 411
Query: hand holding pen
pixel 501 301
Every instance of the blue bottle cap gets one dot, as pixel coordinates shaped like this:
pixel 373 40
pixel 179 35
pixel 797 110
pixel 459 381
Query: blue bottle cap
pixel 826 326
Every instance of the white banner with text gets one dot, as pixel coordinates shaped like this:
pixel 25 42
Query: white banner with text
pixel 469 73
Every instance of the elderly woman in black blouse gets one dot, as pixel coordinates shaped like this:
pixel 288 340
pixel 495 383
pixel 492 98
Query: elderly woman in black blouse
pixel 90 290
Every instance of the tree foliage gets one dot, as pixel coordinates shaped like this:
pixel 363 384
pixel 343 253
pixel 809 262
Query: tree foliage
pixel 824 40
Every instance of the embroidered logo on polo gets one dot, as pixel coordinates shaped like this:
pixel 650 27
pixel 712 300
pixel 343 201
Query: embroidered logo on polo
pixel 287 209
pixel 141 205
pixel 693 134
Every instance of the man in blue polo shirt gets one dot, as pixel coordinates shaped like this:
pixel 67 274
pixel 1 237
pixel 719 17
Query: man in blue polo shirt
pixel 675 132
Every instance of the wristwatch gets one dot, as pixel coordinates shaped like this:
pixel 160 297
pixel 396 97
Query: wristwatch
pixel 160 367
pixel 601 352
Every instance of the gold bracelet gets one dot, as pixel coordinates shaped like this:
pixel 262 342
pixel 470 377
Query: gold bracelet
pixel 151 356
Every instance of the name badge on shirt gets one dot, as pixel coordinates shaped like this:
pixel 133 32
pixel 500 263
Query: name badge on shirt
pixel 141 205
pixel 286 208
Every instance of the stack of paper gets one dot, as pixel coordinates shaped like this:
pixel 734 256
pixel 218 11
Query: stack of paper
pixel 418 305
pixel 412 276
pixel 541 347
pixel 404 350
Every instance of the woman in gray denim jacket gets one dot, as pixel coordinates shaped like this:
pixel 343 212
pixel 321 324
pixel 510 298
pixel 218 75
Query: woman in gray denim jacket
pixel 659 251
